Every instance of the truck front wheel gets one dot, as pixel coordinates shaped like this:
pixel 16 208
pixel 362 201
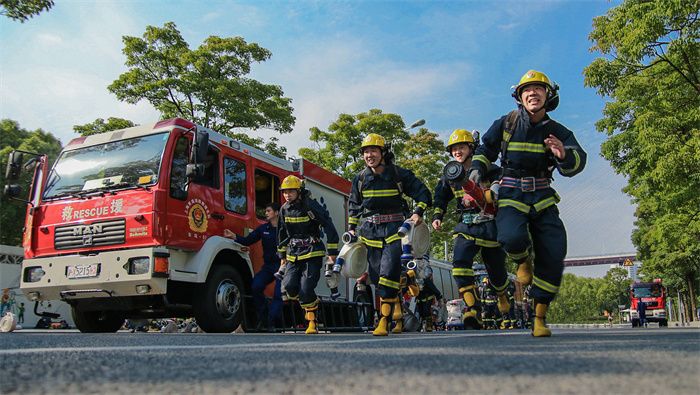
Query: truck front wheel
pixel 97 321
pixel 218 304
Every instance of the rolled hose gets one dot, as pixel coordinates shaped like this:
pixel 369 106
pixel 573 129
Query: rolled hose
pixel 354 256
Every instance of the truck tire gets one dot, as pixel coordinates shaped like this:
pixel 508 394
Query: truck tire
pixel 97 321
pixel 663 323
pixel 218 304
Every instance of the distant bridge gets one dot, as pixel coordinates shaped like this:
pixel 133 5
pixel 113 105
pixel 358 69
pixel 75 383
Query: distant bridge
pixel 600 260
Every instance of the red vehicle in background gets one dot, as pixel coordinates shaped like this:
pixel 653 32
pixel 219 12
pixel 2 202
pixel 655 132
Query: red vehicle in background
pixel 654 297
pixel 129 223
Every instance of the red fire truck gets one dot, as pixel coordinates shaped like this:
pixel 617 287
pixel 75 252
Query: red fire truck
pixel 654 297
pixel 129 223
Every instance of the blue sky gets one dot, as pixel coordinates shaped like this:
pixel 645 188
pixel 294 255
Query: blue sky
pixel 449 62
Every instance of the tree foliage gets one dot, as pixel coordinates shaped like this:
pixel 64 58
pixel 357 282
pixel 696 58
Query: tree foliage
pixel 12 137
pixel 22 10
pixel 207 86
pixel 580 299
pixel 100 126
pixel 650 70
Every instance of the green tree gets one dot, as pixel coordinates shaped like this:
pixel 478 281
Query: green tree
pixel 22 10
pixel 207 86
pixel 12 137
pixel 651 73
pixel 100 126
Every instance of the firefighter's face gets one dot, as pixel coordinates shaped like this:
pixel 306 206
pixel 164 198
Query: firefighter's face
pixel 461 152
pixel 372 156
pixel 290 195
pixel 533 97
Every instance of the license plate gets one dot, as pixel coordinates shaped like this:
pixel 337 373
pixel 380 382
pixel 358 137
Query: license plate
pixel 83 271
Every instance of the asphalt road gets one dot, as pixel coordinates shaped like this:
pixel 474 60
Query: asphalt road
pixel 610 361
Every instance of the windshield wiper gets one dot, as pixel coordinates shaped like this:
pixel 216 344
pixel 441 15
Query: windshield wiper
pixel 64 194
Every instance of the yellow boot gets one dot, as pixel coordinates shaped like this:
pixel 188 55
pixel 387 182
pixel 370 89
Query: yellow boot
pixel 472 318
pixel 503 301
pixel 413 288
pixel 385 312
pixel 398 316
pixel 525 272
pixel 429 324
pixel 311 317
pixel 539 324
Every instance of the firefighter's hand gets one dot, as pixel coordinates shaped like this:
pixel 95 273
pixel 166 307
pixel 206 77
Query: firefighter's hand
pixel 229 234
pixel 475 175
pixel 331 258
pixel 417 220
pixel 283 262
pixel 556 146
pixel 437 224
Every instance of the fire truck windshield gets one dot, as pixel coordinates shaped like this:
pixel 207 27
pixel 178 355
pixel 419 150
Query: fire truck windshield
pixel 121 164
pixel 653 291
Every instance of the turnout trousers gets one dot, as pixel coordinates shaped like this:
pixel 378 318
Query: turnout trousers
pixel 548 245
pixel 385 268
pixel 301 278
pixel 469 240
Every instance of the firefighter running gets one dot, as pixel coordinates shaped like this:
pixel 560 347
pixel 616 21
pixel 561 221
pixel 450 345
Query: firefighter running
pixel 376 194
pixel 301 249
pixel 531 146
pixel 476 231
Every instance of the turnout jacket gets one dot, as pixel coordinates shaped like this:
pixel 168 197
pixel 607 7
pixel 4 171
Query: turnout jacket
pixel 300 235
pixel 380 195
pixel 527 156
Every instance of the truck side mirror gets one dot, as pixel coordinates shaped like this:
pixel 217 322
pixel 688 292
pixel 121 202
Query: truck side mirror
pixel 13 191
pixel 200 146
pixel 14 165
pixel 194 170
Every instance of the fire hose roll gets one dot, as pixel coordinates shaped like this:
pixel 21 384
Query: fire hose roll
pixel 419 239
pixel 355 256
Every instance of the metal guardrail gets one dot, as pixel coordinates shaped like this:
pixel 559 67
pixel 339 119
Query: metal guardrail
pixel 332 316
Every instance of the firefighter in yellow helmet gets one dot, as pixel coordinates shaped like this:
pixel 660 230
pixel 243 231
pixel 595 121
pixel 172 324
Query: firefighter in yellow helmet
pixel 377 195
pixel 475 230
pixel 531 145
pixel 301 249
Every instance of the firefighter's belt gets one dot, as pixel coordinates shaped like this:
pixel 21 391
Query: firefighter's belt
pixel 304 242
pixel 476 218
pixel 525 184
pixel 381 218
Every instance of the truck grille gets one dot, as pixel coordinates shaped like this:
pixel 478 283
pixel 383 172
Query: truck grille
pixel 95 234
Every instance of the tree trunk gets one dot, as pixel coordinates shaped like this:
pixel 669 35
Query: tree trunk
pixel 693 307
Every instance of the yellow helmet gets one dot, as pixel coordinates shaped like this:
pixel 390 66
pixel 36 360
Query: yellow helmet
pixel 460 136
pixel 485 280
pixel 291 182
pixel 373 140
pixel 537 77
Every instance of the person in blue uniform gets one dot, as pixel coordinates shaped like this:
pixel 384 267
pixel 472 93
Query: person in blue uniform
pixel 268 313
pixel 425 299
pixel 475 232
pixel 377 195
pixel 301 248
pixel 531 146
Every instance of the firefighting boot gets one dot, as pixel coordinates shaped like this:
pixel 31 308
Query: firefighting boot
pixel 386 308
pixel 411 283
pixel 539 324
pixel 429 324
pixel 398 316
pixel 311 318
pixel 472 318
pixel 525 272
pixel 503 301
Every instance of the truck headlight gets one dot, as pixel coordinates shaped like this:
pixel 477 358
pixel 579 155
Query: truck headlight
pixel 33 274
pixel 140 265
